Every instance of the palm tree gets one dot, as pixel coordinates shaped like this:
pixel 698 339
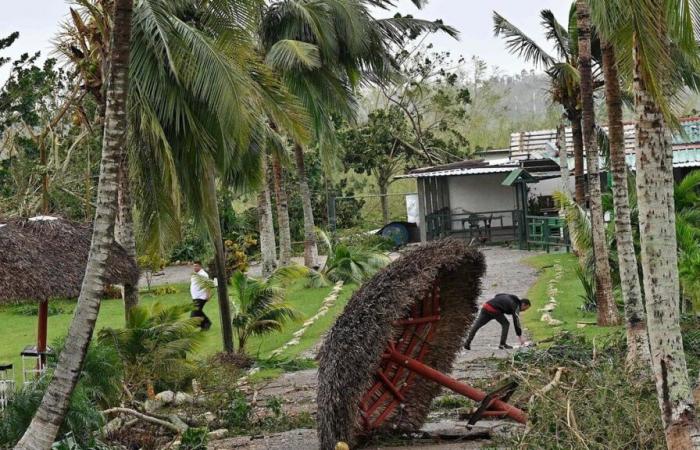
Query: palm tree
pixel 44 427
pixel 635 316
pixel 646 31
pixel 561 70
pixel 260 305
pixel 607 309
pixel 194 128
pixel 347 264
pixel 268 248
pixel 154 344
pixel 281 202
pixel 322 50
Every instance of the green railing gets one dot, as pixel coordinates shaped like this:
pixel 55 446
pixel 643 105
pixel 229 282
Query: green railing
pixel 547 232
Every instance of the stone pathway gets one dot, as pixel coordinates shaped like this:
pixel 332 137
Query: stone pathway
pixel 505 273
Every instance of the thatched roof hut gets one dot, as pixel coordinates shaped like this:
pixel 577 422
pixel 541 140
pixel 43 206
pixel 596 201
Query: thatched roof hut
pixel 352 352
pixel 45 257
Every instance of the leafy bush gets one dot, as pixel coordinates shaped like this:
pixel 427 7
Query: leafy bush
pixel 237 414
pixel 154 346
pixel 590 303
pixel 99 386
pixel 194 439
pixel 32 309
pixel 348 264
pixel 194 245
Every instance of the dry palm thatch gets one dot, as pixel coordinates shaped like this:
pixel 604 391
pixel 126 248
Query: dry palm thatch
pixel 45 258
pixel 352 352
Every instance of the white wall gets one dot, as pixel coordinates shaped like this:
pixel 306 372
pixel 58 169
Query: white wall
pixel 548 187
pixel 480 193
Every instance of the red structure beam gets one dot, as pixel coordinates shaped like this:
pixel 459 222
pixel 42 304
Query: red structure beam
pixel 429 373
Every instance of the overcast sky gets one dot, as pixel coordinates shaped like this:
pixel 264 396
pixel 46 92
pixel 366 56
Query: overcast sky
pixel 37 22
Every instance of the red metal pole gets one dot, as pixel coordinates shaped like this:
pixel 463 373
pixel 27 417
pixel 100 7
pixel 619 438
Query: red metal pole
pixel 461 388
pixel 41 332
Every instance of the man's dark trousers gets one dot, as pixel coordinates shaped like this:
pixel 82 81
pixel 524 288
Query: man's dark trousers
pixel 485 317
pixel 198 311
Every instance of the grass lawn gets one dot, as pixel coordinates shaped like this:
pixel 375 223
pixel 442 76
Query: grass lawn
pixel 568 300
pixel 18 331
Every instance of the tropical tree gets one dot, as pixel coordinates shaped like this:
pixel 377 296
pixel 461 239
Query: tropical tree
pixel 196 129
pixel 635 315
pixel 44 427
pixel 562 71
pixel 268 248
pixel 260 305
pixel 322 50
pixel 154 345
pixel 378 148
pixel 655 35
pixel 607 309
pixel 350 264
pixel 282 205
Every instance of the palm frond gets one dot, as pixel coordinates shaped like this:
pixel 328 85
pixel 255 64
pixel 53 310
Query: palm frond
pixel 518 43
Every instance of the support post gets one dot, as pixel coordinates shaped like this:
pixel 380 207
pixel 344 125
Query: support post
pixel 461 388
pixel 43 317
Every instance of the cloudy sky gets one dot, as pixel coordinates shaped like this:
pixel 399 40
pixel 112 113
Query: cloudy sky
pixel 37 21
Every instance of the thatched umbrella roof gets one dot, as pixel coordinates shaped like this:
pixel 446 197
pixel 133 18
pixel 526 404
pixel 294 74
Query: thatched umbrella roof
pixel 45 257
pixel 353 348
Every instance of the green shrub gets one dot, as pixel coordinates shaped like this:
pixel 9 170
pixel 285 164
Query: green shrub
pixel 194 439
pixel 98 387
pixel 154 346
pixel 237 414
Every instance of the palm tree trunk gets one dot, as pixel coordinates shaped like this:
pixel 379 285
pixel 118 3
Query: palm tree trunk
pixel 579 179
pixel 635 317
pixel 310 247
pixel 563 158
pixel 124 231
pixel 607 310
pixel 214 228
pixel 44 427
pixel 285 236
pixel 267 227
pixel 657 229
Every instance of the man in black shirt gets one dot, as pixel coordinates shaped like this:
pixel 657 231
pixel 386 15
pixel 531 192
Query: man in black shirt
pixel 496 309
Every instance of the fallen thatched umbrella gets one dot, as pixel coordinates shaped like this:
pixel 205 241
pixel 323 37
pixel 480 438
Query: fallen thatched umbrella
pixel 383 361
pixel 44 258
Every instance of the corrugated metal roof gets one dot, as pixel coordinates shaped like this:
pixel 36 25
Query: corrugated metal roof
pixel 526 142
pixel 455 172
pixel 681 158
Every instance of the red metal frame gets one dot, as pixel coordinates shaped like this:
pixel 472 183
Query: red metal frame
pixel 402 362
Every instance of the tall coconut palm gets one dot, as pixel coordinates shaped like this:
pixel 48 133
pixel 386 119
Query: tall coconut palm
pixel 198 95
pixel 268 248
pixel 607 309
pixel 562 71
pixel 635 316
pixel 322 50
pixel 281 202
pixel 644 35
pixel 48 418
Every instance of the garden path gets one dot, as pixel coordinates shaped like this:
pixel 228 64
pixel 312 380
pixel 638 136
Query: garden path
pixel 506 272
